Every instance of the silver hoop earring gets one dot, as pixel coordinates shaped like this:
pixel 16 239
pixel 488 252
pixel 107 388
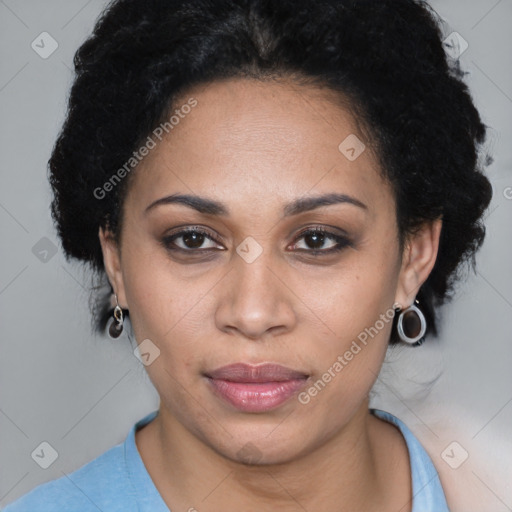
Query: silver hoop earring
pixel 116 325
pixel 412 325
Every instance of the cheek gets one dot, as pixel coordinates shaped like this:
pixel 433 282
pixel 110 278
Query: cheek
pixel 156 299
pixel 167 307
pixel 348 361
pixel 356 312
pixel 354 297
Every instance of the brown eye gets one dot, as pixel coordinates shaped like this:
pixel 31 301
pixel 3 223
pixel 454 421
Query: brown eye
pixel 316 239
pixel 193 239
pixel 190 240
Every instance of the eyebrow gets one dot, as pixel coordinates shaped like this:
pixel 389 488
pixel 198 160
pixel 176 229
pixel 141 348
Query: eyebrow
pixel 211 207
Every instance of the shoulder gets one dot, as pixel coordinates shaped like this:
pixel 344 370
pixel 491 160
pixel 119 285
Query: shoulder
pixel 101 484
pixel 419 459
pixel 426 486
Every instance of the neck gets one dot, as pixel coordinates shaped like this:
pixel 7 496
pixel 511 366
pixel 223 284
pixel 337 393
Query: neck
pixel 344 473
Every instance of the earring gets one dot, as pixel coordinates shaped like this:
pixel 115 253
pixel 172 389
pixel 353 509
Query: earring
pixel 412 325
pixel 116 326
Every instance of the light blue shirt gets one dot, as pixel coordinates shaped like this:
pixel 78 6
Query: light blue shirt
pixel 117 481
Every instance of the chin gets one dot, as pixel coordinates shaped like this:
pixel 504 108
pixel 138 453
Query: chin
pixel 262 449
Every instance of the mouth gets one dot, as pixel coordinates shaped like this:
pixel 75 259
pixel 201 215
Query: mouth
pixel 258 388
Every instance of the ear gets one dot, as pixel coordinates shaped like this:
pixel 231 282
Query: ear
pixel 418 259
pixel 112 262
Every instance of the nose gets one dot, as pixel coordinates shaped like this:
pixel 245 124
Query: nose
pixel 255 299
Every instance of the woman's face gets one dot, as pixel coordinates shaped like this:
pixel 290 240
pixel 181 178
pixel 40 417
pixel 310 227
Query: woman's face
pixel 257 284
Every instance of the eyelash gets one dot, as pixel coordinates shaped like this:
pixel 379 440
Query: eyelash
pixel 342 242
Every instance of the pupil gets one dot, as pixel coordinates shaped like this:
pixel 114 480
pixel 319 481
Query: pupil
pixel 317 239
pixel 195 238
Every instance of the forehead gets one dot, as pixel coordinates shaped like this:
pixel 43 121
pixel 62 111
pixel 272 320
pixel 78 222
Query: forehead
pixel 268 141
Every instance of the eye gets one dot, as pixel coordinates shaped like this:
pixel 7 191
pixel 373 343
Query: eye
pixel 316 238
pixel 190 240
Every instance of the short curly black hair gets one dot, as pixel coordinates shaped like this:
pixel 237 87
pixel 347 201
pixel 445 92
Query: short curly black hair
pixel 385 56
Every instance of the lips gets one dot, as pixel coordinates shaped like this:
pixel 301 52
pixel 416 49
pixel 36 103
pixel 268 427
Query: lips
pixel 241 372
pixel 258 388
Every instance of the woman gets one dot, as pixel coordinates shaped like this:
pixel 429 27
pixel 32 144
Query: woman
pixel 275 192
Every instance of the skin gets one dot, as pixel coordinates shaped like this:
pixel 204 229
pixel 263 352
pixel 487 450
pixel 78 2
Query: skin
pixel 255 147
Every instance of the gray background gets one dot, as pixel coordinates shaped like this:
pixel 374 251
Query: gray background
pixel 82 393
